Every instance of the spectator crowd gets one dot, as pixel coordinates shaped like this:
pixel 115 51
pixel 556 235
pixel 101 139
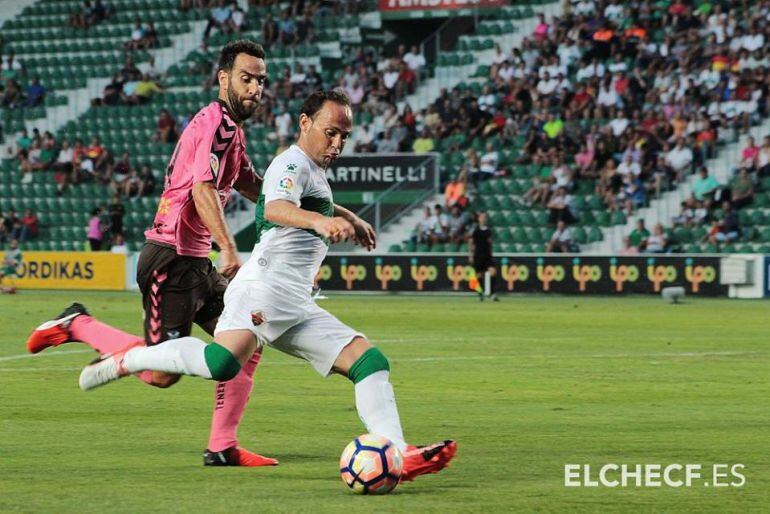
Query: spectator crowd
pixel 627 99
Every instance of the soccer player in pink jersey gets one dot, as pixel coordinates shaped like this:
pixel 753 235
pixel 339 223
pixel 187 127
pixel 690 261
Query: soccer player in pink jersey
pixel 178 282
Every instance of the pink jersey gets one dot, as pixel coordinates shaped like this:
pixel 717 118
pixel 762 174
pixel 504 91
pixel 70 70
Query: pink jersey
pixel 211 149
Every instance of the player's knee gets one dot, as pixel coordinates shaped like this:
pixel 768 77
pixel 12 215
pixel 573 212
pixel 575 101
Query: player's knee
pixel 370 362
pixel 164 380
pixel 222 364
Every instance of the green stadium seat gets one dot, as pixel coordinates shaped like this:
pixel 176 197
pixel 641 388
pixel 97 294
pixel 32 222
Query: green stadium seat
pixel 595 203
pixel 595 234
pixel 762 199
pixel 526 217
pixel 519 235
pixel 683 235
pixel 748 233
pixel 540 217
pixel 757 217
pixel 764 234
pixel 618 218
pixel 512 218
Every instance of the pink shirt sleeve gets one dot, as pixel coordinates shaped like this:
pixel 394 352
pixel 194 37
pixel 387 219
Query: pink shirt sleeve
pixel 205 162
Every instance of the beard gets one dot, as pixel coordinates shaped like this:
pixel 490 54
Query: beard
pixel 238 110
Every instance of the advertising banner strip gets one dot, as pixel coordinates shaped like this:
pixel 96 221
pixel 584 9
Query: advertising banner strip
pixel 434 8
pixel 71 270
pixel 369 172
pixel 528 274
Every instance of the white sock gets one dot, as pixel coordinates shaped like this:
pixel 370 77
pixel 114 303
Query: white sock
pixel 376 405
pixel 487 283
pixel 184 356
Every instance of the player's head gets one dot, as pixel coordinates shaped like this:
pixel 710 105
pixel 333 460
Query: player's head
pixel 325 123
pixel 482 219
pixel 242 74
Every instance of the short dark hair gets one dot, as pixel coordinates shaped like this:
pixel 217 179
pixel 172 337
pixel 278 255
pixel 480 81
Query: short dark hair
pixel 242 46
pixel 315 101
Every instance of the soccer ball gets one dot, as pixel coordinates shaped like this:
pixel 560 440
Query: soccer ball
pixel 371 464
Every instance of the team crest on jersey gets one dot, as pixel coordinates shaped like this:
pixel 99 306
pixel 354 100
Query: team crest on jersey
pixel 164 206
pixel 214 164
pixel 286 185
pixel 257 318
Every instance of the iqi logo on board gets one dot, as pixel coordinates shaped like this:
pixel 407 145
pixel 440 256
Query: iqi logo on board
pixel 421 273
pixel 458 273
pixel 620 274
pixel 585 273
pixel 513 273
pixel 696 275
pixel 659 274
pixel 351 273
pixel 386 273
pixel 548 274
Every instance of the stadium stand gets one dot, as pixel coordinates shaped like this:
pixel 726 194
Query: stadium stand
pixel 619 105
pixel 135 133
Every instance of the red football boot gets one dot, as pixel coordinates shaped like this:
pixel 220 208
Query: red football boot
pixel 236 457
pixel 421 460
pixel 56 331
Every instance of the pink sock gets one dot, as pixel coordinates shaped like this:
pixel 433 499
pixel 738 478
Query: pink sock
pixel 99 336
pixel 230 401
pixel 104 338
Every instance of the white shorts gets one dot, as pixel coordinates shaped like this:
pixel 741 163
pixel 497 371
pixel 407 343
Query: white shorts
pixel 292 325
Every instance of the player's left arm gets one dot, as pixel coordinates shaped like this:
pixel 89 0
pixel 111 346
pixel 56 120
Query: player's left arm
pixel 365 235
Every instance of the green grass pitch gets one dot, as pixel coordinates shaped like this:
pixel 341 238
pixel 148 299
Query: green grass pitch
pixel 525 386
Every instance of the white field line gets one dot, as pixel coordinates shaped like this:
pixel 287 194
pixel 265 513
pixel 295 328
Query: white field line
pixel 443 358
pixel 41 355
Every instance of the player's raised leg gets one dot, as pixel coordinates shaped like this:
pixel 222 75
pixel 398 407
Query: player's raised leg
pixel 369 370
pixel 75 324
pixel 183 356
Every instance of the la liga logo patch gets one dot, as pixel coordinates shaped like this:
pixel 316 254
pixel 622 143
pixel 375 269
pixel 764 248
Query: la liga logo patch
pixel 286 185
pixel 214 161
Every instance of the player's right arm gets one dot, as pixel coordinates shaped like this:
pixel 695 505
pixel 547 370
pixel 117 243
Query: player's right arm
pixel 209 209
pixel 283 186
pixel 286 214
